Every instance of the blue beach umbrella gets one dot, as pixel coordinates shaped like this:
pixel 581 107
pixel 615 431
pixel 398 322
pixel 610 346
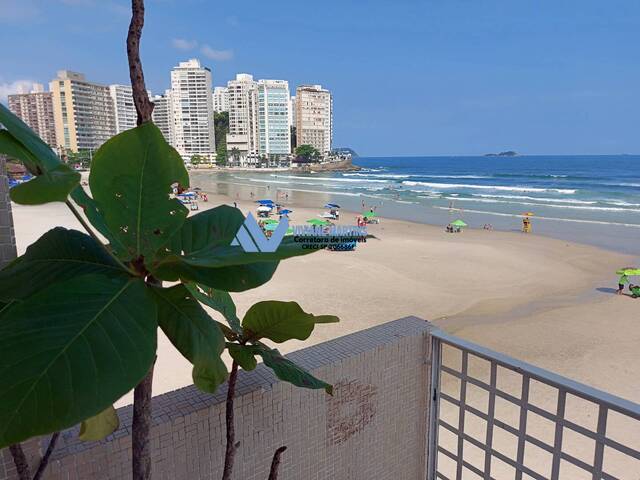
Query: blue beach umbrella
pixel 286 211
pixel 265 202
pixel 332 205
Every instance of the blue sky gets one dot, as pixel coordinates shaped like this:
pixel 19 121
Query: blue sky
pixel 426 77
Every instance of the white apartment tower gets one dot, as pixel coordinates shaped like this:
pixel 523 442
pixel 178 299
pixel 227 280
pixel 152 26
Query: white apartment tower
pixel 162 115
pixel 274 119
pixel 314 117
pixel 123 107
pixel 36 110
pixel 192 110
pixel 220 101
pixel 243 131
pixel 83 112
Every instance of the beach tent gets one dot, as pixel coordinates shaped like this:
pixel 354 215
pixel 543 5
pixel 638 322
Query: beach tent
pixel 318 222
pixel 458 223
pixel 332 205
pixel 264 208
pixel 369 214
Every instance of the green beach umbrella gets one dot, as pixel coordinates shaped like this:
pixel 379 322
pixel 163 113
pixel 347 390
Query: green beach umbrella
pixel 271 226
pixel 369 214
pixel 628 271
pixel 317 221
pixel 458 223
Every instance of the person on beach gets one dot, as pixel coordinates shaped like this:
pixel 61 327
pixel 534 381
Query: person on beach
pixel 621 283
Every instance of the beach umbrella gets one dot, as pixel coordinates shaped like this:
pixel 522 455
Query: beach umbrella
pixel 264 208
pixel 629 271
pixel 332 205
pixel 369 214
pixel 458 223
pixel 271 226
pixel 197 189
pixel 269 220
pixel 286 211
pixel 265 202
pixel 328 215
pixel 318 222
pixel 528 214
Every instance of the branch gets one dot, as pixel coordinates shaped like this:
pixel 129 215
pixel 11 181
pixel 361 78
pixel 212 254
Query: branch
pixel 231 432
pixel 144 106
pixel 45 459
pixel 20 461
pixel 275 463
pixel 141 453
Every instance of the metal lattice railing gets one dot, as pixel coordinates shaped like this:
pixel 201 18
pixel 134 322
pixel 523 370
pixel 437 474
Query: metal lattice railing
pixel 494 417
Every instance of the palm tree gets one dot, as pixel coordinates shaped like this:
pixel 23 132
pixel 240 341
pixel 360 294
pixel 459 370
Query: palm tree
pixel 7 235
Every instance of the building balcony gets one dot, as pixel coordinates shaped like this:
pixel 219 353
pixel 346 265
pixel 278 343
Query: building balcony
pixel 409 402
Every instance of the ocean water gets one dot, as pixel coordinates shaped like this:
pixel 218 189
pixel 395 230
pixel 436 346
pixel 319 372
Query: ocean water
pixel 594 199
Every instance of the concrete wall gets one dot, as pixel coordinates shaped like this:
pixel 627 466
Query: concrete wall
pixel 373 427
pixel 7 235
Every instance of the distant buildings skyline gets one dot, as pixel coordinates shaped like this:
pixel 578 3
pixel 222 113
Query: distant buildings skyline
pixel 77 114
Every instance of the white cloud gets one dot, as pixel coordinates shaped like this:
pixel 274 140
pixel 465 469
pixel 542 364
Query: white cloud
pixel 17 86
pixel 182 44
pixel 213 54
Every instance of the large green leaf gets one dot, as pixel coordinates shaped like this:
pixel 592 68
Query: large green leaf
pixel 281 321
pixel 41 154
pixel 54 185
pixel 96 217
pixel 131 178
pixel 14 149
pixel 244 355
pixel 57 255
pixel 211 229
pixel 70 351
pixel 220 301
pixel 288 371
pixel 99 426
pixel 55 180
pixel 194 334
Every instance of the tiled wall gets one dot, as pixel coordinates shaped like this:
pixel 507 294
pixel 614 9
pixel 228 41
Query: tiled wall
pixel 7 236
pixel 373 427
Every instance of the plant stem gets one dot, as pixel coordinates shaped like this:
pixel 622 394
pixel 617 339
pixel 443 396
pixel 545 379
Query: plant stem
pixel 231 431
pixel 90 231
pixel 45 459
pixel 275 463
pixel 144 106
pixel 20 461
pixel 141 453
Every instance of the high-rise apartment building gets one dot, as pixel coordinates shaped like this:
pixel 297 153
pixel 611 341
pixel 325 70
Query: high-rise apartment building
pixel 162 116
pixel 243 131
pixel 36 110
pixel 220 101
pixel 83 112
pixel 192 110
pixel 123 107
pixel 314 117
pixel 274 127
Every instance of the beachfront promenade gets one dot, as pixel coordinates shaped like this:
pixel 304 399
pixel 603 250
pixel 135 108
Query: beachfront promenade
pixel 410 402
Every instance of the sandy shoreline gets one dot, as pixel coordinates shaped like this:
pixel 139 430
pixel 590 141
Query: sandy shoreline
pixel 531 297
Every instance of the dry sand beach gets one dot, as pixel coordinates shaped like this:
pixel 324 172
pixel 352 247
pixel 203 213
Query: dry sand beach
pixel 533 298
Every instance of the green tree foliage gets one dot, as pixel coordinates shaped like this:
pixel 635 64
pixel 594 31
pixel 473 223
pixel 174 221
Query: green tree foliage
pixel 221 126
pixel 79 317
pixel 197 160
pixel 308 153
